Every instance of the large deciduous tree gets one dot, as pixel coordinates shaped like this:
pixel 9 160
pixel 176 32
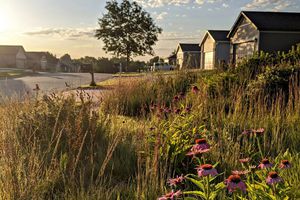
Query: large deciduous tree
pixel 127 30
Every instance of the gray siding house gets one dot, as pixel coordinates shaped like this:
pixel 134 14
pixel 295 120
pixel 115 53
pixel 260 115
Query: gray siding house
pixel 188 56
pixel 215 49
pixel 41 61
pixel 12 57
pixel 263 31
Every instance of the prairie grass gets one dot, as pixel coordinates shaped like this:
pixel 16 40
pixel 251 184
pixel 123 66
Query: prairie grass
pixel 129 144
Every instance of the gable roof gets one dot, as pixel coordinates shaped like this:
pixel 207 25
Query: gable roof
pixel 217 35
pixel 185 47
pixel 10 50
pixel 270 21
pixel 35 55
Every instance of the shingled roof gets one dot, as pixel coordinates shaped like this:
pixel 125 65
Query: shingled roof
pixel 271 21
pixel 275 21
pixel 9 50
pixel 189 47
pixel 219 35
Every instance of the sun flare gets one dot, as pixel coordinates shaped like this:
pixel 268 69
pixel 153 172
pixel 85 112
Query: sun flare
pixel 4 20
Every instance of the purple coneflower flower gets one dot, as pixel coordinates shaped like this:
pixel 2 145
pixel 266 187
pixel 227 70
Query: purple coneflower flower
pixel 206 170
pixel 235 182
pixel 195 89
pixel 188 109
pixel 285 164
pixel 201 146
pixel 244 160
pixel 236 172
pixel 181 95
pixel 171 195
pixel 265 163
pixel 177 111
pixel 259 131
pixel 176 99
pixel 247 132
pixel 176 181
pixel 273 178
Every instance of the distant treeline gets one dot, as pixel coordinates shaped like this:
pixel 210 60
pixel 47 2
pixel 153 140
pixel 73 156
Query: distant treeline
pixel 111 65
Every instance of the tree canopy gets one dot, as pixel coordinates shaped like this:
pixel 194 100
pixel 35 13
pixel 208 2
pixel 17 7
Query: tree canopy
pixel 127 30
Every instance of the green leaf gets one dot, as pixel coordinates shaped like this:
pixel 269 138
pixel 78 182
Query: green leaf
pixel 196 193
pixel 199 184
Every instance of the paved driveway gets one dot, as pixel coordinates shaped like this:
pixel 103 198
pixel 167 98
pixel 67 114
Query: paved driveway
pixel 47 82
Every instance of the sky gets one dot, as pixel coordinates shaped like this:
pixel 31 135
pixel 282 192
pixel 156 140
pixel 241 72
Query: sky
pixel 67 26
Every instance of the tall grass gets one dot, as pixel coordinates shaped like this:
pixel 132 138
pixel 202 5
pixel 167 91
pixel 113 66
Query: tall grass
pixel 126 148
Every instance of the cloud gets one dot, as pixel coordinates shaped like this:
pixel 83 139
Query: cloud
pixel 160 3
pixel 65 33
pixel 161 16
pixel 276 5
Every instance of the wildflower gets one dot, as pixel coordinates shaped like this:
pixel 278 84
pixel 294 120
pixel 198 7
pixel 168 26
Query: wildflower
pixel 265 163
pixel 259 131
pixel 168 110
pixel 176 99
pixel 285 164
pixel 206 170
pixel 247 132
pixel 188 109
pixel 151 128
pixel 177 111
pixel 181 95
pixel 235 182
pixel 176 181
pixel 195 89
pixel 236 172
pixel 171 195
pixel 273 178
pixel 244 160
pixel 196 152
pixel 201 146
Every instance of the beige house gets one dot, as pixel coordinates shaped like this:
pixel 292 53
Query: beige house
pixel 12 57
pixel 188 56
pixel 215 49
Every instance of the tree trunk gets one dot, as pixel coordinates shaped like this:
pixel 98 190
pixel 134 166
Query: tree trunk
pixel 127 62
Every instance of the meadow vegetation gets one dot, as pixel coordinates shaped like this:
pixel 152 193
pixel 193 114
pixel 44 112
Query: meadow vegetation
pixel 213 130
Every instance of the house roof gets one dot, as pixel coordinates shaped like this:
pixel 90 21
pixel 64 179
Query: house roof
pixel 9 50
pixel 219 35
pixel 270 21
pixel 173 56
pixel 35 55
pixel 185 47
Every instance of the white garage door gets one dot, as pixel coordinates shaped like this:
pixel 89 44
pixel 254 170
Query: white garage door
pixel 209 60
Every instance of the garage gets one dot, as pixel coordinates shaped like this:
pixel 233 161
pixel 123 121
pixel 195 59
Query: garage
pixel 208 60
pixel 244 50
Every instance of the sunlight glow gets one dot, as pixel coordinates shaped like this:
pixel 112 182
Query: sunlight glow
pixel 4 20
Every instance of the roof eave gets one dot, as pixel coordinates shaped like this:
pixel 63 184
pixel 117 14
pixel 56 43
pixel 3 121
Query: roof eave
pixel 232 30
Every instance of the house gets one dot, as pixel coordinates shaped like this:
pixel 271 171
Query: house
pixel 12 57
pixel 66 64
pixel 215 49
pixel 263 31
pixel 171 60
pixel 188 56
pixel 41 61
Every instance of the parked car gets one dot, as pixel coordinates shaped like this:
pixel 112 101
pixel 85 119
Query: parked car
pixel 161 67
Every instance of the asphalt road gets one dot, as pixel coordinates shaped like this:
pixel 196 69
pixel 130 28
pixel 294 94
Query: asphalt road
pixel 48 82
